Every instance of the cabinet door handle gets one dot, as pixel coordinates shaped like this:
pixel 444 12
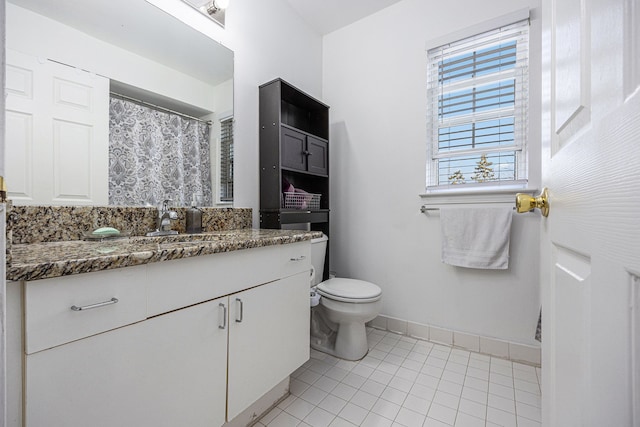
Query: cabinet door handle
pixel 224 316
pixel 300 258
pixel 238 300
pixel 96 305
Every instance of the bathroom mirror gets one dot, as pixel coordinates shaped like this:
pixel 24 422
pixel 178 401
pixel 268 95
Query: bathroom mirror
pixel 101 47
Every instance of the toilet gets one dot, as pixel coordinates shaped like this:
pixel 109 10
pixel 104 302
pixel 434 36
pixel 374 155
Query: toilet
pixel 338 321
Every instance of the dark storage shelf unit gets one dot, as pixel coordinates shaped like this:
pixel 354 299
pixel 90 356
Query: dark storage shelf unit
pixel 294 146
pixel 303 152
pixel 302 112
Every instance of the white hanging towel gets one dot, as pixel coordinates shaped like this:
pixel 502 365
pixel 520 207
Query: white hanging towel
pixel 476 237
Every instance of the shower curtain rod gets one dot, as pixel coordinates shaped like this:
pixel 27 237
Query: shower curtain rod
pixel 157 107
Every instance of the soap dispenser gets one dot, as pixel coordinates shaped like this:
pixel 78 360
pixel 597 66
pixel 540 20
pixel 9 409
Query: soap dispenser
pixel 194 217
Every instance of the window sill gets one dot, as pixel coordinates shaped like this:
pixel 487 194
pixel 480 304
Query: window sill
pixel 475 195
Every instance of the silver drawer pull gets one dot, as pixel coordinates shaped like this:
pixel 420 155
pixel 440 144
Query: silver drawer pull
pixel 300 258
pixel 90 306
pixel 238 300
pixel 224 316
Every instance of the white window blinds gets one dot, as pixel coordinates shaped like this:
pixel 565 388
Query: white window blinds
pixel 477 112
pixel 226 160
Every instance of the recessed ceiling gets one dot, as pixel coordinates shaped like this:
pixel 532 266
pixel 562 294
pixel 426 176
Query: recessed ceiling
pixel 326 16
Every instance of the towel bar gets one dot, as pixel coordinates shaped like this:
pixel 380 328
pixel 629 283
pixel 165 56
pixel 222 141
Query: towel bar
pixel 425 209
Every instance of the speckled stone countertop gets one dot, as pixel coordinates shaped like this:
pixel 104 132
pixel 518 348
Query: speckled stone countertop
pixel 37 224
pixel 53 259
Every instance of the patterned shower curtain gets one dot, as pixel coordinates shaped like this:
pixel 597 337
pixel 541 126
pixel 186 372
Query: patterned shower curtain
pixel 155 155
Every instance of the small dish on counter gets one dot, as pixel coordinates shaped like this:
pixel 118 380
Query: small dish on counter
pixel 109 235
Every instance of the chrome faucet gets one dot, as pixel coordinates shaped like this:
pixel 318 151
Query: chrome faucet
pixel 165 216
pixel 163 221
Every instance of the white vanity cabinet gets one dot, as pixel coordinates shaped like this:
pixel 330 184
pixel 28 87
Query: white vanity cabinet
pixel 165 371
pixel 185 343
pixel 267 325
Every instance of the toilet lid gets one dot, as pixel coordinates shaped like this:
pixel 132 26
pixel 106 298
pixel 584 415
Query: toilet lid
pixel 349 289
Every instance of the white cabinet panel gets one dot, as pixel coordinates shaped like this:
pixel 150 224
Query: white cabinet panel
pixel 50 321
pixel 268 338
pixel 295 258
pixel 14 352
pixel 179 283
pixel 165 371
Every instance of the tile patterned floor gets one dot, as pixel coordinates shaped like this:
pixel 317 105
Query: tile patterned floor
pixel 410 383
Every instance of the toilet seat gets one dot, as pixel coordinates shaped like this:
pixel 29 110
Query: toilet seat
pixel 350 290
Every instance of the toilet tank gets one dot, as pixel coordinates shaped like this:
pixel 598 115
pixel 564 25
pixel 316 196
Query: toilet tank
pixel 318 252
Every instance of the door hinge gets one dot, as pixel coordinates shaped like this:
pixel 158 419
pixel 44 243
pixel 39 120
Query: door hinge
pixel 3 190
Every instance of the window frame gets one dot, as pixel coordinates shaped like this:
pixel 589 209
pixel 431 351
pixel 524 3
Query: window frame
pixel 228 199
pixel 520 140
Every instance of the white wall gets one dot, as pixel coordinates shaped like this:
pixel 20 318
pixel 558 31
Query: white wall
pixel 269 40
pixel 374 79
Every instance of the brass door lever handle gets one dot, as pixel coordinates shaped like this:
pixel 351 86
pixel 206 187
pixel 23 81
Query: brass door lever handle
pixel 526 203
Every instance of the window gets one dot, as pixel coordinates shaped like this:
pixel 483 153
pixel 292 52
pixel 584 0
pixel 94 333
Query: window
pixel 477 114
pixel 226 160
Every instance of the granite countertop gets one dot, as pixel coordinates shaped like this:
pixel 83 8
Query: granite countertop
pixel 45 260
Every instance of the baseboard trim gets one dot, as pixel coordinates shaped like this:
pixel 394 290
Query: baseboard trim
pixel 262 406
pixel 516 352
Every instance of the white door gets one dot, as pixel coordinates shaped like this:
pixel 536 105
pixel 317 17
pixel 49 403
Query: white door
pixel 591 239
pixel 57 119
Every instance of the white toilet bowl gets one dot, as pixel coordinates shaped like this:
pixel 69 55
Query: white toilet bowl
pixel 350 314
pixel 338 322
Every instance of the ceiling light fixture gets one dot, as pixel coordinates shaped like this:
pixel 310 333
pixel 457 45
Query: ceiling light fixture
pixel 215 6
pixel 214 9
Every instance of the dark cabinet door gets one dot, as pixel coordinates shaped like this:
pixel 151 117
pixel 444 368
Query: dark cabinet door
pixel 293 146
pixel 317 156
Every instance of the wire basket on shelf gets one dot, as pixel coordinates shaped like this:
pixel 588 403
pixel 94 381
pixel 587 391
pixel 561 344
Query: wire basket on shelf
pixel 307 201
